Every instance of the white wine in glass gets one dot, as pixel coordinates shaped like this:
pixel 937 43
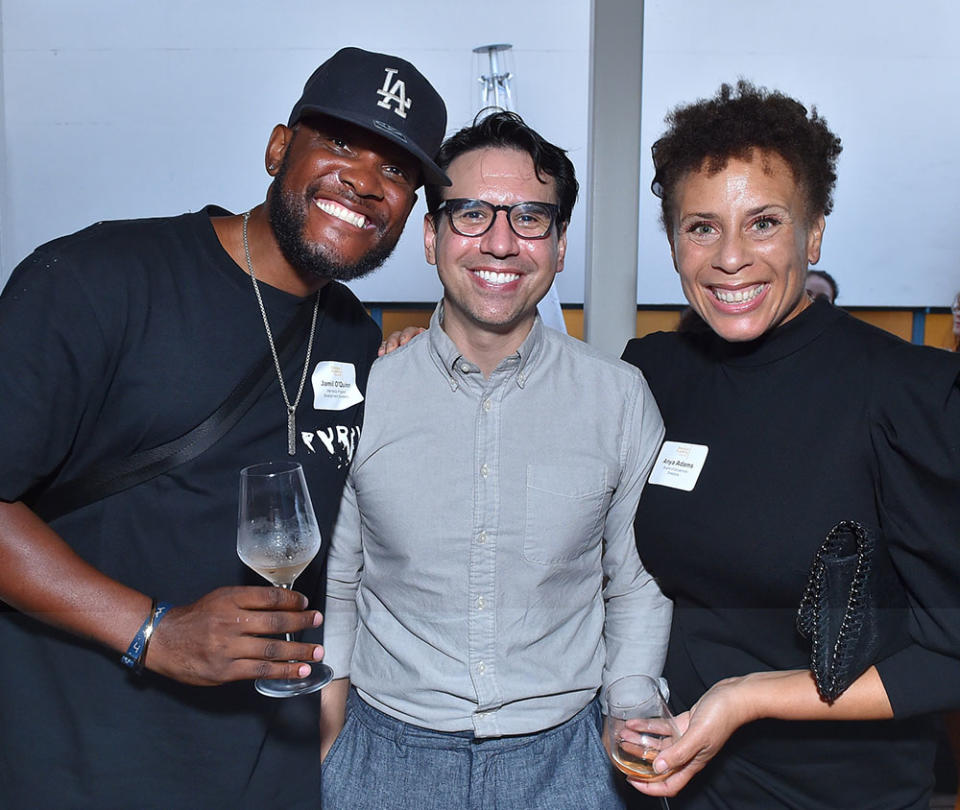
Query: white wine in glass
pixel 278 536
pixel 639 726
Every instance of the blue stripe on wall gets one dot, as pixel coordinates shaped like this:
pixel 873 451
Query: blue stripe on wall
pixel 919 324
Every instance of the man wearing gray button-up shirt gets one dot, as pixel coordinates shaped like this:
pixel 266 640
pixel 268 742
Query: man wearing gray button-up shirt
pixel 483 579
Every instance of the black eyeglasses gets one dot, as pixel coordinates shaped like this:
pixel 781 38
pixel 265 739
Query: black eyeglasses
pixel 528 220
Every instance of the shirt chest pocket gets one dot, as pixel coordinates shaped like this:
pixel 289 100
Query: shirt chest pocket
pixel 565 506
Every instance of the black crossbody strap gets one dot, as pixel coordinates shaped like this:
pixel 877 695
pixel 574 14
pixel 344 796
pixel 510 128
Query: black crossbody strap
pixel 115 475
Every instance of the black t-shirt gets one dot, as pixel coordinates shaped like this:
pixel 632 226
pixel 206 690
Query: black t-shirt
pixel 825 419
pixel 117 339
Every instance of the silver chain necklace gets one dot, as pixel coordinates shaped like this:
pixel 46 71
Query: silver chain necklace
pixel 291 408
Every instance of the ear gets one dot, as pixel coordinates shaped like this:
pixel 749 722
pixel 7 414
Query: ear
pixel 815 238
pixel 277 145
pixel 561 248
pixel 429 239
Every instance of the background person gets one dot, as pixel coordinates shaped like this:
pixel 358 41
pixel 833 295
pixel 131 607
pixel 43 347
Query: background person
pixel 125 336
pixel 478 605
pixel 820 284
pixel 802 416
pixel 955 311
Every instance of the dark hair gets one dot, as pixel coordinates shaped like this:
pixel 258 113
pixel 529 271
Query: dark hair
pixel 733 123
pixel 834 289
pixel 508 130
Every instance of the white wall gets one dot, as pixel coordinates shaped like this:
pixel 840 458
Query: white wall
pixel 123 109
pixel 120 109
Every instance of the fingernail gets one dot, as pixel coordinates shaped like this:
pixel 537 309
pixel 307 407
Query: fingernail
pixel 303 671
pixel 317 619
pixel 659 765
pixel 318 653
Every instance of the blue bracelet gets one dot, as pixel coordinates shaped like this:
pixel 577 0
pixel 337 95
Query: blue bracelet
pixel 137 651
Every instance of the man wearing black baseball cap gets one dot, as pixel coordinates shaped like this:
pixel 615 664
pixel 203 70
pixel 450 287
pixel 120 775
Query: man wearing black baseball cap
pixel 392 85
pixel 200 343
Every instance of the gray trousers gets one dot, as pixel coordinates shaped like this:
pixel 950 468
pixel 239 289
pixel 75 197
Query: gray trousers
pixel 378 762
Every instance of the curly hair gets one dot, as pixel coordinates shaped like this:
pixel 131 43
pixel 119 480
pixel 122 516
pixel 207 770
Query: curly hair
pixel 732 124
pixel 507 130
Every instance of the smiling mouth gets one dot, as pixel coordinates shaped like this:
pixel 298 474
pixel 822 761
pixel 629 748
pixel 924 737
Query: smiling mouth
pixel 496 278
pixel 341 213
pixel 741 296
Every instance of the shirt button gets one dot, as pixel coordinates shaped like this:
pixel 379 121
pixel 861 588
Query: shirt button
pixel 481 668
pixel 479 603
pixel 484 470
pixel 487 405
pixel 521 378
pixel 465 368
pixel 482 538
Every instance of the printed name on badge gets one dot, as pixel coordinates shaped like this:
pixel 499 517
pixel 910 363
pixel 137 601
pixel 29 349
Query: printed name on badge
pixel 679 464
pixel 335 386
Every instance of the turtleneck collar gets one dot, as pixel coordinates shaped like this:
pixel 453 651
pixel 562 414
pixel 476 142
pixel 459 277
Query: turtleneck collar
pixel 774 345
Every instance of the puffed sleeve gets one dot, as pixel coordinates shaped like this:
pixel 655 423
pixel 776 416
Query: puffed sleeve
pixel 916 440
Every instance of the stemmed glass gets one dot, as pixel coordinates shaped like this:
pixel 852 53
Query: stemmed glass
pixel 278 536
pixel 639 726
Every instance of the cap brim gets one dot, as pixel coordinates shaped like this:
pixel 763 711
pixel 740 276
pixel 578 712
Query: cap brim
pixel 432 173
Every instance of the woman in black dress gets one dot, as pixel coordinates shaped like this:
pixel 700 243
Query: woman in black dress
pixel 785 416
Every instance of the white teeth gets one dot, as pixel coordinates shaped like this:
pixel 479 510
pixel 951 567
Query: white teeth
pixel 738 296
pixel 340 212
pixel 497 278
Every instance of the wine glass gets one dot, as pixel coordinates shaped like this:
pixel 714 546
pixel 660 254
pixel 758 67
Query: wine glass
pixel 652 728
pixel 278 536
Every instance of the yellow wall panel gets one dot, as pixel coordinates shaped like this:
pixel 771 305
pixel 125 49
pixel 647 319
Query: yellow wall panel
pixel 573 318
pixel 656 320
pixel 938 330
pixel 899 322
pixel 395 320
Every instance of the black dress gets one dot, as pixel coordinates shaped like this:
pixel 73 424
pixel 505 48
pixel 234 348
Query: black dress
pixel 822 420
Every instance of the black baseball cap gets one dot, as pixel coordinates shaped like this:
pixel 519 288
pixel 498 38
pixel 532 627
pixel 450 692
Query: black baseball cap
pixel 383 94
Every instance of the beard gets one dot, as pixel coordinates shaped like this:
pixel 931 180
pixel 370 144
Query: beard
pixel 288 219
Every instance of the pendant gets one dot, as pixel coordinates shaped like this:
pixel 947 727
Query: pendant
pixel 291 431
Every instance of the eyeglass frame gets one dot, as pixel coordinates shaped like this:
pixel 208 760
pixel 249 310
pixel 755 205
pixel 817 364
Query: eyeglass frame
pixel 552 208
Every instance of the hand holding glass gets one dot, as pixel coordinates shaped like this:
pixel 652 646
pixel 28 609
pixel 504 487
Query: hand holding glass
pixel 639 726
pixel 278 536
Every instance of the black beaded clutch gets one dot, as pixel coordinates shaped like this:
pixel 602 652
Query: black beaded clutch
pixel 853 609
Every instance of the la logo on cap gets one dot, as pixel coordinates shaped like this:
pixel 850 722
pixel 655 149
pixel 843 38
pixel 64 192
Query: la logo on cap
pixel 396 94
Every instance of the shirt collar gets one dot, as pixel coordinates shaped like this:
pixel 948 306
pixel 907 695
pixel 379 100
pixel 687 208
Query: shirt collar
pixel 455 366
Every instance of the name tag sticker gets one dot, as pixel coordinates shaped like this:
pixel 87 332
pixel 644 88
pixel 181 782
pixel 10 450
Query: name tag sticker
pixel 335 386
pixel 679 464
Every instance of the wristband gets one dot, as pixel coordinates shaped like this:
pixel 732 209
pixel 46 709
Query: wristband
pixel 136 653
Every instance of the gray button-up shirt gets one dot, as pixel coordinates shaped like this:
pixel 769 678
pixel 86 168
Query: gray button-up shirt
pixel 483 572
